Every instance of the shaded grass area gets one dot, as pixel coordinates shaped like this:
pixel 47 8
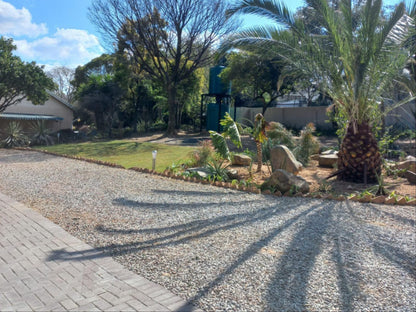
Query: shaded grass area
pixel 125 152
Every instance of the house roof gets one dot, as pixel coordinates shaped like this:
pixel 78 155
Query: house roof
pixel 15 116
pixel 59 99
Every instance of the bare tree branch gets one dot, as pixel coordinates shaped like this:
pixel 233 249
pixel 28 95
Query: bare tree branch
pixel 169 39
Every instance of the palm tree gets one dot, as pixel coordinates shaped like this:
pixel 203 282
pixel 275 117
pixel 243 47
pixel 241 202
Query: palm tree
pixel 351 55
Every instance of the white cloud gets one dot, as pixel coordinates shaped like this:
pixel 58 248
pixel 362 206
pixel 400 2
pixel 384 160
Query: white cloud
pixel 67 47
pixel 18 22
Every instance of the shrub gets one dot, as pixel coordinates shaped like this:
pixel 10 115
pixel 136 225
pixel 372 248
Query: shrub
pixel 279 135
pixel 203 154
pixel 308 144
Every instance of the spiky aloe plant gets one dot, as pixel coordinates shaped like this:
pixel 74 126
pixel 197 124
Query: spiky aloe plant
pixel 353 56
pixel 41 134
pixel 15 136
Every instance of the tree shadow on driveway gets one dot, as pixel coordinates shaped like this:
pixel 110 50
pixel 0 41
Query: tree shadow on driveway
pixel 172 235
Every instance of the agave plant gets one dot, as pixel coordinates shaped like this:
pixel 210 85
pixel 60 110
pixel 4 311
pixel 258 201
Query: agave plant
pixel 15 136
pixel 41 134
pixel 352 54
pixel 218 170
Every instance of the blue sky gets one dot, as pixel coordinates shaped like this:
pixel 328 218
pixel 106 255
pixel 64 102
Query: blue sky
pixel 59 33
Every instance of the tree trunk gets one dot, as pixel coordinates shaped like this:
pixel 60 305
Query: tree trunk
pixel 171 131
pixel 259 156
pixel 359 159
pixel 99 121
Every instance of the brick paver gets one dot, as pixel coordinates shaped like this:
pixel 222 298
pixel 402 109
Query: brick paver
pixel 32 278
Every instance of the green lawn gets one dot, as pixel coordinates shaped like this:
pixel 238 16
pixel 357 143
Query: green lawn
pixel 125 152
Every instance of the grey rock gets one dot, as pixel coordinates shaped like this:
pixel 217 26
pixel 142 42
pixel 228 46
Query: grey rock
pixel 328 160
pixel 410 176
pixel 232 174
pixel 330 152
pixel 202 172
pixel 284 181
pixel 241 160
pixel 408 165
pixel 282 158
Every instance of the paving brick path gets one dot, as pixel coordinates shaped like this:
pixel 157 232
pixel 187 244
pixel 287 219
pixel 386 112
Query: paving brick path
pixel 33 279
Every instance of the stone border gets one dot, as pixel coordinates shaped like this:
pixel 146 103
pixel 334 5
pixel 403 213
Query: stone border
pixel 387 200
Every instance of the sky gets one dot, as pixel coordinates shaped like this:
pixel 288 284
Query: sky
pixel 59 33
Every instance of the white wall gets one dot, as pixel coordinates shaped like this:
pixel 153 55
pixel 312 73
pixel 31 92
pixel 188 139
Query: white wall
pixel 292 117
pixel 299 117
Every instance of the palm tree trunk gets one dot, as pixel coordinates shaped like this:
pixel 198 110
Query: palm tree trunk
pixel 259 156
pixel 359 159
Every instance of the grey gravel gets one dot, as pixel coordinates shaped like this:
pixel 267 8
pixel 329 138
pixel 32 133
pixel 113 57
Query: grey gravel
pixel 226 250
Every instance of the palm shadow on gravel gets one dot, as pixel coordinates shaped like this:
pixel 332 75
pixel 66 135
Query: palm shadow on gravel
pixel 171 235
pixel 322 224
pixel 328 226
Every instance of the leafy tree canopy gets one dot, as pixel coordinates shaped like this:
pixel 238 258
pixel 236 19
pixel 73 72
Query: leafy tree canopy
pixel 256 76
pixel 20 80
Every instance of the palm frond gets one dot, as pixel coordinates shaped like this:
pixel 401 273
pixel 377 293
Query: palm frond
pixel 231 130
pixel 220 144
pixel 411 8
pixel 397 27
pixel 274 10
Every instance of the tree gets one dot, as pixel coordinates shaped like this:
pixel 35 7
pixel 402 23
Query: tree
pixel 98 91
pixel 140 93
pixel 101 65
pixel 169 39
pixel 20 80
pixel 256 76
pixel 62 76
pixel 354 59
pixel 101 95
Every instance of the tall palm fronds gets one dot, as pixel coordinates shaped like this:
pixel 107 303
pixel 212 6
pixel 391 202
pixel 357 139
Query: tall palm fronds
pixel 354 59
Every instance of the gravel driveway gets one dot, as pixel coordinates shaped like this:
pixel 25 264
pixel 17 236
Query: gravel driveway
pixel 226 250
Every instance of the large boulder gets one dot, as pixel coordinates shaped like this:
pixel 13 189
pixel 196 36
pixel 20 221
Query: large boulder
pixel 282 158
pixel 284 181
pixel 241 160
